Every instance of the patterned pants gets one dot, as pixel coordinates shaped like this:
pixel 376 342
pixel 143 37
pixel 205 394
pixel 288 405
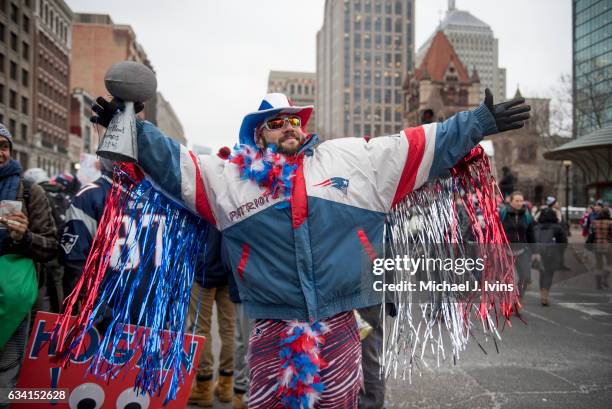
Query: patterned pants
pixel 342 351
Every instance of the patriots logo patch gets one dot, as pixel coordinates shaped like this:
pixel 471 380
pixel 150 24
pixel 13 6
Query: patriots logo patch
pixel 68 241
pixel 336 182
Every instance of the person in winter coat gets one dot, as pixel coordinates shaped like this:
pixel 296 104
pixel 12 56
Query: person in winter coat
pixel 551 237
pixel 601 228
pixel 518 226
pixel 30 233
pixel 298 220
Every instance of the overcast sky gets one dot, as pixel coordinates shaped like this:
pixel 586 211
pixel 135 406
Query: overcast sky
pixel 212 57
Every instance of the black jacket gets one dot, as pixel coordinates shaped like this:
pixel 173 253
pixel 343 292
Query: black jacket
pixel 518 225
pixel 215 270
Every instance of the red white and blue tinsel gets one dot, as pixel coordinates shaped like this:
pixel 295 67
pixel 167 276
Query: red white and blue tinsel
pixel 300 383
pixel 111 293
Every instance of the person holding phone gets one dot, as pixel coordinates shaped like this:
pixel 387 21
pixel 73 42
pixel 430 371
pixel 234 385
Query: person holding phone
pixel 27 232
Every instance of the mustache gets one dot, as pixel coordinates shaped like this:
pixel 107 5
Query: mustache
pixel 289 134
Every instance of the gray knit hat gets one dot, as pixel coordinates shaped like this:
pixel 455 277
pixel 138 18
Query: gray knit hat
pixel 5 133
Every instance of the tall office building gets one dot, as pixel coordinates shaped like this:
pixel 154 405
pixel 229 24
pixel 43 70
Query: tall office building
pixel 16 74
pixel 51 139
pixel 592 65
pixel 473 41
pixel 363 51
pixel 299 88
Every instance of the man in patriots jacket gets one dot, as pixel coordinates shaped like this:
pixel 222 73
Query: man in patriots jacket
pixel 297 221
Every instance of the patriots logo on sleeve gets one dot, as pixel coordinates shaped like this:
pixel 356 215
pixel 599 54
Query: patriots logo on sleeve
pixel 336 182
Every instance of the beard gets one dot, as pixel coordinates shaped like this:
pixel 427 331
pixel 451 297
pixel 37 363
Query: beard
pixel 284 150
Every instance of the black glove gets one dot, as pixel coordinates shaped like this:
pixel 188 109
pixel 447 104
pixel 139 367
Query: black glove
pixel 105 110
pixel 507 114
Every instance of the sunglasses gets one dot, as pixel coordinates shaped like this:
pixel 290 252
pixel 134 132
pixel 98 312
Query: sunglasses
pixel 278 122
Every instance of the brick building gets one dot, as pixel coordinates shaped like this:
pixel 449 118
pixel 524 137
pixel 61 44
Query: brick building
pixel 52 42
pixel 97 44
pixel 16 73
pixel 167 120
pixel 441 83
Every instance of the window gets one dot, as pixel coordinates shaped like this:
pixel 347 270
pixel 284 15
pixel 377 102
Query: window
pixel 398 7
pixel 14 13
pixel 1 94
pixel 14 42
pixel 1 32
pixel 12 126
pixel 24 132
pixel 25 78
pixel 13 99
pixel 25 51
pixel 1 62
pixel 13 70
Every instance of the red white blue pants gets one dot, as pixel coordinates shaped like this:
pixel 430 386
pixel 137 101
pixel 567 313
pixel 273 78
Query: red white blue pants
pixel 342 351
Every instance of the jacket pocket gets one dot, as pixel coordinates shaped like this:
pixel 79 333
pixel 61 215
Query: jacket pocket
pixel 367 246
pixel 246 249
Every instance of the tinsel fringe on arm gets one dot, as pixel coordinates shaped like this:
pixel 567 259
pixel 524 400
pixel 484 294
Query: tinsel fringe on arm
pixel 106 291
pixel 425 224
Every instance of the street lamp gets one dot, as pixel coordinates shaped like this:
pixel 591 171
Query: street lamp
pixel 568 165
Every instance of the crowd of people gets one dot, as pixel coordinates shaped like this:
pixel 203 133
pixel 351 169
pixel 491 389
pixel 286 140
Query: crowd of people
pixel 538 235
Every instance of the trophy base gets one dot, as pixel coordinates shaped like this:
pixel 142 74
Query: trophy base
pixel 115 156
pixel 119 142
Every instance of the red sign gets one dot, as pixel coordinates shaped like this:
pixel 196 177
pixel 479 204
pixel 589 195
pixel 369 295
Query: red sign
pixel 40 370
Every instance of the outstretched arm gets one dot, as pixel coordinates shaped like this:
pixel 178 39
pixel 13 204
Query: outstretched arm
pixel 427 151
pixel 171 166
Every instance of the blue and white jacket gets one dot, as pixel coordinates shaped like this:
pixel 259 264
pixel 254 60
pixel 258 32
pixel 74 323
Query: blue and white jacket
pixel 306 261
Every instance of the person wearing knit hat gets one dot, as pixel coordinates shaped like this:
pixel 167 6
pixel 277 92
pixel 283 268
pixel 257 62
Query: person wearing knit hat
pixel 27 234
pixel 6 145
pixel 6 134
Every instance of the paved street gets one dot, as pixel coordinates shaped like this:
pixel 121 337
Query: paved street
pixel 562 357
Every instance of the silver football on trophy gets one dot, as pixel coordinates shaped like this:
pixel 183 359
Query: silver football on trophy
pixel 130 82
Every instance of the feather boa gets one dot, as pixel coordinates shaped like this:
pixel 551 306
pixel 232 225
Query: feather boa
pixel 300 384
pixel 267 168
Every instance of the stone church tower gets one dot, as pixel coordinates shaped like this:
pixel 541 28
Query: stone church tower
pixel 440 83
